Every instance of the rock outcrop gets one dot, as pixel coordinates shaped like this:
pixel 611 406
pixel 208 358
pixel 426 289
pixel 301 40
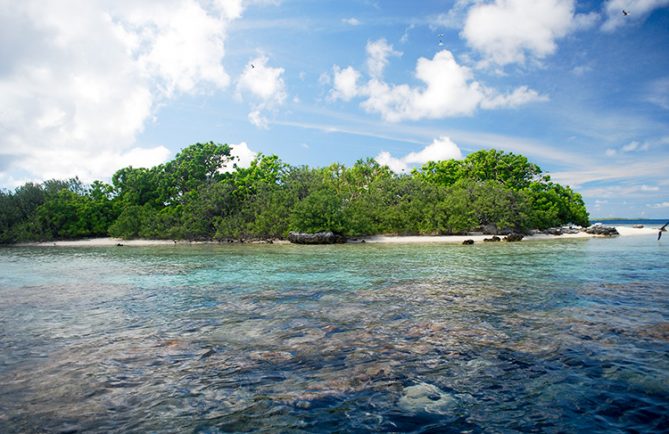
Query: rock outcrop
pixel 468 242
pixel 599 229
pixel 317 238
pixel 514 237
pixel 562 230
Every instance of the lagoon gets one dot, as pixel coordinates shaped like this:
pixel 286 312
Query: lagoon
pixel 551 336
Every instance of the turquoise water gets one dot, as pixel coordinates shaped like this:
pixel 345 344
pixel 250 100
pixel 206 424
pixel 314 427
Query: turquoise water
pixel 554 336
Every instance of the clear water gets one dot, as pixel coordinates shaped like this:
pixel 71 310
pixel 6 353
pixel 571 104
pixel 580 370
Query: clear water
pixel 555 336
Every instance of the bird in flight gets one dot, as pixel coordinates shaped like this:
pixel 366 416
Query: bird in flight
pixel 441 36
pixel 662 229
pixel 626 13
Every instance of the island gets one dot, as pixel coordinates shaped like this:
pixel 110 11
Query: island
pixel 203 195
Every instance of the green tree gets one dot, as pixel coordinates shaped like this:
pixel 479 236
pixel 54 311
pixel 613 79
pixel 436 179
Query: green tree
pixel 196 165
pixel 320 211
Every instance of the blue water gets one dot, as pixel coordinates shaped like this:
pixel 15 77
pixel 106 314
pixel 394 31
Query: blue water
pixel 650 223
pixel 554 336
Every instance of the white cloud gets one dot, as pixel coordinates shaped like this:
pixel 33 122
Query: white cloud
pixel 232 9
pixel 617 191
pixel 510 31
pixel 658 93
pixel 181 45
pixel 520 96
pixel 659 205
pixel 80 79
pixel 633 146
pixel 351 21
pixel 454 18
pixel 395 164
pixel 638 10
pixel 243 156
pixel 442 148
pixel 377 56
pixel 581 70
pixel 258 119
pixel 449 90
pixel 345 83
pixel 262 81
pixel 324 79
pixel 653 167
pixel 265 85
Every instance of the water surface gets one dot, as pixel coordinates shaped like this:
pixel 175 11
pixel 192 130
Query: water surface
pixel 555 336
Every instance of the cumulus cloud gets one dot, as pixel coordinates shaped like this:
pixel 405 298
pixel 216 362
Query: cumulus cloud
pixel 449 89
pixel 638 10
pixel 345 83
pixel 80 79
pixel 264 85
pixel 442 148
pixel 351 21
pixel 378 53
pixel 510 31
pixel 242 157
pixel 243 154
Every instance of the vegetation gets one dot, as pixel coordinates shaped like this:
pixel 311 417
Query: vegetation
pixel 192 197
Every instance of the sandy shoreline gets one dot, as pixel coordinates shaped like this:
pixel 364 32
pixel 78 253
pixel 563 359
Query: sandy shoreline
pixel 378 239
pixel 622 230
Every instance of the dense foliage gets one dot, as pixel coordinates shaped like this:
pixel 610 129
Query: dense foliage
pixel 193 197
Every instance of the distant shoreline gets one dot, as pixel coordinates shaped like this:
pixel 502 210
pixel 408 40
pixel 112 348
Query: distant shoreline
pixel 376 239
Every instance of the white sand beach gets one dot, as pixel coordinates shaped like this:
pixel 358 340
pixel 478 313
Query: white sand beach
pixel 478 238
pixel 378 239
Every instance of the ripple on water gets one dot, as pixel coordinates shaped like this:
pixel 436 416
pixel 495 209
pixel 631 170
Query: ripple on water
pixel 530 337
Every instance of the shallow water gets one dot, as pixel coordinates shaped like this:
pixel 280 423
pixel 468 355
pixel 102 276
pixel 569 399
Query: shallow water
pixel 555 336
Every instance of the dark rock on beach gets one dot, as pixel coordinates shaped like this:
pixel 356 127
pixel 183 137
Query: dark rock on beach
pixel 317 238
pixel 599 229
pixel 492 239
pixel 569 229
pixel 514 237
pixel 468 242
pixel 553 231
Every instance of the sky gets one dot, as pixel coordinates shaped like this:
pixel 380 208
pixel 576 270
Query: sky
pixel 580 88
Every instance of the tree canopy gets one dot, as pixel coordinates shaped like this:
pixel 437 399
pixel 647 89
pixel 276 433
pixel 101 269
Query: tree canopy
pixel 202 194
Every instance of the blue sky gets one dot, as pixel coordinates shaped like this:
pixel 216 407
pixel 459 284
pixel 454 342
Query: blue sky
pixel 90 86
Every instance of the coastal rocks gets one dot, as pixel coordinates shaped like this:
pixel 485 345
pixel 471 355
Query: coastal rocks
pixel 468 242
pixel 637 226
pixel 426 397
pixel 553 231
pixel 600 229
pixel 493 239
pixel 562 230
pixel 514 237
pixel 316 238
